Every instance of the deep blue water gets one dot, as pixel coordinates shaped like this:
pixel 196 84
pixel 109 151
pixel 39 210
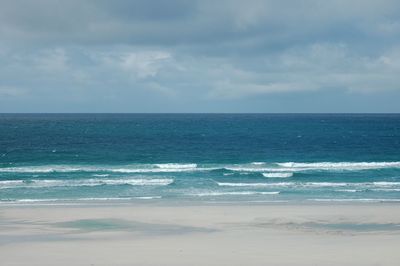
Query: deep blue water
pixel 229 157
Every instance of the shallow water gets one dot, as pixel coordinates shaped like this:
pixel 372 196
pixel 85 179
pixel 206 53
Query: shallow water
pixel 104 225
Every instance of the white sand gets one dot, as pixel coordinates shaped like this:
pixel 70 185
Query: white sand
pixel 156 234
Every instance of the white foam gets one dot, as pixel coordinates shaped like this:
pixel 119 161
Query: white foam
pixel 340 165
pixel 135 182
pixel 148 197
pixel 10 182
pixel 36 200
pixel 320 166
pixel 254 169
pixel 225 184
pixel 66 201
pixel 42 169
pixel 154 170
pixel 237 193
pixel 307 184
pixel 286 184
pixel 349 190
pixel 95 199
pixel 277 175
pixel 386 189
pixel 88 199
pixel 146 168
pixel 324 184
pixel 386 184
pixel 176 166
pixel 77 199
pixel 355 200
pixel 38 183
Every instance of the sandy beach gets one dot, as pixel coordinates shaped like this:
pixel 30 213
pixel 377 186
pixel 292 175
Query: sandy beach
pixel 200 234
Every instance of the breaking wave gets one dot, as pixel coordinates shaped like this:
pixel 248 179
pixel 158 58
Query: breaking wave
pixel 83 182
pixel 277 175
pixel 149 168
pixel 340 165
pixel 268 168
pixel 365 185
pixel 237 193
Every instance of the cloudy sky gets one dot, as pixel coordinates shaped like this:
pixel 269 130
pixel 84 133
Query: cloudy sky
pixel 199 56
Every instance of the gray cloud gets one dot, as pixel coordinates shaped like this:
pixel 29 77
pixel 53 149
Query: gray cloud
pixel 195 55
pixel 178 22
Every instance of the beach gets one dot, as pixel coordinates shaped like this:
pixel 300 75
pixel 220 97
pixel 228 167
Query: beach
pixel 204 233
pixel 199 133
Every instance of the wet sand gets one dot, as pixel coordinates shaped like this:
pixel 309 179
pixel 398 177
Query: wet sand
pixel 200 234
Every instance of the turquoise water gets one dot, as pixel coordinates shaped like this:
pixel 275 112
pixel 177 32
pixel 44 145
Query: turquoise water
pixel 199 157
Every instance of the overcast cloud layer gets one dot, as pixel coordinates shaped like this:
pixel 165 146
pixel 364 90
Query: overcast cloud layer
pixel 199 56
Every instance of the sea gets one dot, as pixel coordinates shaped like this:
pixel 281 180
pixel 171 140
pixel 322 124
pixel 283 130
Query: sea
pixel 57 158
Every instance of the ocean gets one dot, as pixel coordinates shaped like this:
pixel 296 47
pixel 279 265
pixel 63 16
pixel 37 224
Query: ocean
pixel 199 157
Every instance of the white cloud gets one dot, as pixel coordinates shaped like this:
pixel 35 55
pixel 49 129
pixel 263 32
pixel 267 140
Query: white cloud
pixel 228 89
pixel 318 66
pixel 53 60
pixel 312 67
pixel 144 64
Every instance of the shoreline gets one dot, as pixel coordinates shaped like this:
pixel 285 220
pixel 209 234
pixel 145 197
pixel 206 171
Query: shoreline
pixel 189 202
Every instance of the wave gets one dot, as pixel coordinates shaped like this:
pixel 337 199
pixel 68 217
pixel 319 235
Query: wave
pixel 277 175
pixel 386 189
pixel 148 197
pixel 349 190
pixel 36 200
pixel 11 182
pixel 237 193
pixel 176 166
pixel 365 185
pixel 240 168
pixel 112 198
pixel 155 170
pixel 76 199
pixel 148 168
pixel 42 169
pixel 356 200
pixel 284 184
pixel 321 166
pixel 326 184
pixel 386 184
pixel 190 167
pixel 225 184
pixel 83 182
pixel 79 199
pixel 340 165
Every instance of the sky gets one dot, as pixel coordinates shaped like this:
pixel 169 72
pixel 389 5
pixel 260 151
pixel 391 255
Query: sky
pixel 200 56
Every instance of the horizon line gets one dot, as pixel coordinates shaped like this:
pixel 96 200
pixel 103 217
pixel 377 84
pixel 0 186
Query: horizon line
pixel 194 113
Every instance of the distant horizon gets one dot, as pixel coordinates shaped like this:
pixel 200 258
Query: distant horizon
pixel 194 113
